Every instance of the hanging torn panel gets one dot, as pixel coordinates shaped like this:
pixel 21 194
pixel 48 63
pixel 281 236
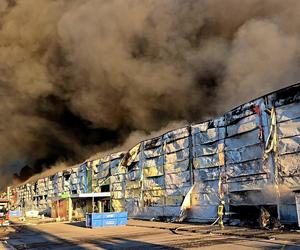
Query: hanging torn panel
pixel 130 157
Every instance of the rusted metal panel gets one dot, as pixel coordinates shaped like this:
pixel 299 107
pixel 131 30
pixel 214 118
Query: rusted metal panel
pixel 60 209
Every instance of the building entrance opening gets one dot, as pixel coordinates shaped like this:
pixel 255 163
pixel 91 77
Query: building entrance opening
pixel 255 216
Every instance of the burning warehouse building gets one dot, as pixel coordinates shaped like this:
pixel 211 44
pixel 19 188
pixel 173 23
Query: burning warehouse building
pixel 249 158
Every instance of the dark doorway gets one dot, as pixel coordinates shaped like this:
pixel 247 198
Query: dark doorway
pixel 250 215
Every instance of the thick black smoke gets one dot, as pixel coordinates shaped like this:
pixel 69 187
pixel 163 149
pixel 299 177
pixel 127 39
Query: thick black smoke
pixel 79 76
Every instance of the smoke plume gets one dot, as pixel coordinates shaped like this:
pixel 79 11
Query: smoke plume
pixel 79 76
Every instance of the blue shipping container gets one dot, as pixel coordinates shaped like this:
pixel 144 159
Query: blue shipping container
pixel 122 221
pixel 106 219
pixel 110 222
pixel 110 215
pixel 16 213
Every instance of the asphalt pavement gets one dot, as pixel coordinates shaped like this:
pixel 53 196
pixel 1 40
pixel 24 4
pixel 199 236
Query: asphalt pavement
pixel 144 235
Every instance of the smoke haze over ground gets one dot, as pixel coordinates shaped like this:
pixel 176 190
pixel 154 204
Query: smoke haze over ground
pixel 79 76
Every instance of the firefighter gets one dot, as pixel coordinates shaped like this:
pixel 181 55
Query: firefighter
pixel 221 214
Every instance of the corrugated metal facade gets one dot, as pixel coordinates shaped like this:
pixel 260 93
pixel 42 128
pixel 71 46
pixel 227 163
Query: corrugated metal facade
pixel 251 154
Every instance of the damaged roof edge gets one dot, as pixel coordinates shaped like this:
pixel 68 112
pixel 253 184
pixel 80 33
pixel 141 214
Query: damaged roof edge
pixel 278 91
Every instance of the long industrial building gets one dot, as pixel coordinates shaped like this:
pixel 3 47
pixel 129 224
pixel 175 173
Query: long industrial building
pixel 249 158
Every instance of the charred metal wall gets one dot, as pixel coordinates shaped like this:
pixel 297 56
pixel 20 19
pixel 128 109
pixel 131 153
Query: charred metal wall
pixel 249 156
